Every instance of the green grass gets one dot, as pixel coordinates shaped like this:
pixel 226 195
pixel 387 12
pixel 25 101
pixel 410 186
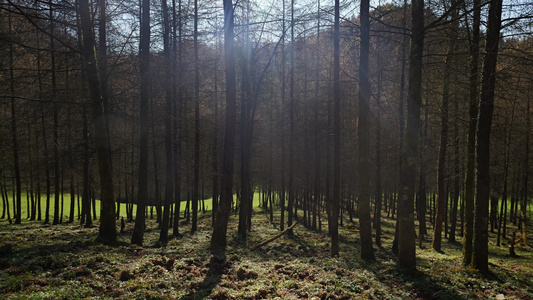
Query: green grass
pixel 67 200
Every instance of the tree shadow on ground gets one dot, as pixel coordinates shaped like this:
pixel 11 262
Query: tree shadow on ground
pixel 217 266
pixel 424 287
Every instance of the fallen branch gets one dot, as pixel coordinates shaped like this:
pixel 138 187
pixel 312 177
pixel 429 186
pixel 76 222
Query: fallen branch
pixel 273 238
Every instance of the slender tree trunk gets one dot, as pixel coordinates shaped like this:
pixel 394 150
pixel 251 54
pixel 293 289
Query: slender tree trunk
pixel 218 239
pixel 86 200
pixel 169 174
pixel 480 257
pixel 524 198
pixel 455 198
pixel 409 161
pixel 363 137
pixel 214 149
pixel 291 205
pixel 178 91
pixel 157 191
pixel 196 179
pixel 422 185
pixel 282 126
pixel 55 108
pixel 441 173
pixel 335 201
pixel 18 193
pixel 5 198
pixel 401 123
pixel 62 195
pixel 379 192
pixel 244 204
pixel 144 57
pixel 470 181
pixel 317 197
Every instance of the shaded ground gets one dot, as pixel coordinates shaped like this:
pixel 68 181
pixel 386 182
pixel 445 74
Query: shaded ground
pixel 63 262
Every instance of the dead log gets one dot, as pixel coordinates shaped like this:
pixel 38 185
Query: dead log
pixel 273 238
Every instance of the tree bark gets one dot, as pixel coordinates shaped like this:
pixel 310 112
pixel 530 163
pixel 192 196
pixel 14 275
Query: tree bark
pixel 218 239
pixel 18 197
pixel 107 230
pixel 524 198
pixel 409 160
pixel 379 191
pixel 441 173
pixel 196 179
pixel 178 92
pixel 169 166
pixel 335 201
pixel 471 144
pixel 363 149
pixel 456 175
pixel 480 257
pixel 144 58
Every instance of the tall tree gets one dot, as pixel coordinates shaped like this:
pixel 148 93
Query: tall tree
pixel 378 189
pixel 169 166
pixel 335 201
pixel 177 91
pixel 480 259
pixel 107 231
pixel 524 196
pixel 502 220
pixel 291 205
pixel 470 183
pixel 196 179
pixel 363 153
pixel 218 239
pixel 245 195
pixel 55 108
pixel 144 61
pixel 442 194
pixel 409 159
pixel 18 198
pixel 401 120
pixel 316 134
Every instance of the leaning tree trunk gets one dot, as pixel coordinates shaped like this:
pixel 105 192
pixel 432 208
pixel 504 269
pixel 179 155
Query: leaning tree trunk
pixel 107 231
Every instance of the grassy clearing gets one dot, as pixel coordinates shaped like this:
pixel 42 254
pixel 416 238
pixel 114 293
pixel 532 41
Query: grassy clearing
pixel 67 201
pixel 64 262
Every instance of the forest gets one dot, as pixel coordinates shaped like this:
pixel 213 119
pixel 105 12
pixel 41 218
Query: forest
pixel 266 149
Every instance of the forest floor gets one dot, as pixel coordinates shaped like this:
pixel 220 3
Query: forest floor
pixel 64 262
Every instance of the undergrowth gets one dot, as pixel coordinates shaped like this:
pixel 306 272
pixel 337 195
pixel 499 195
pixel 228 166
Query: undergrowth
pixel 64 262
